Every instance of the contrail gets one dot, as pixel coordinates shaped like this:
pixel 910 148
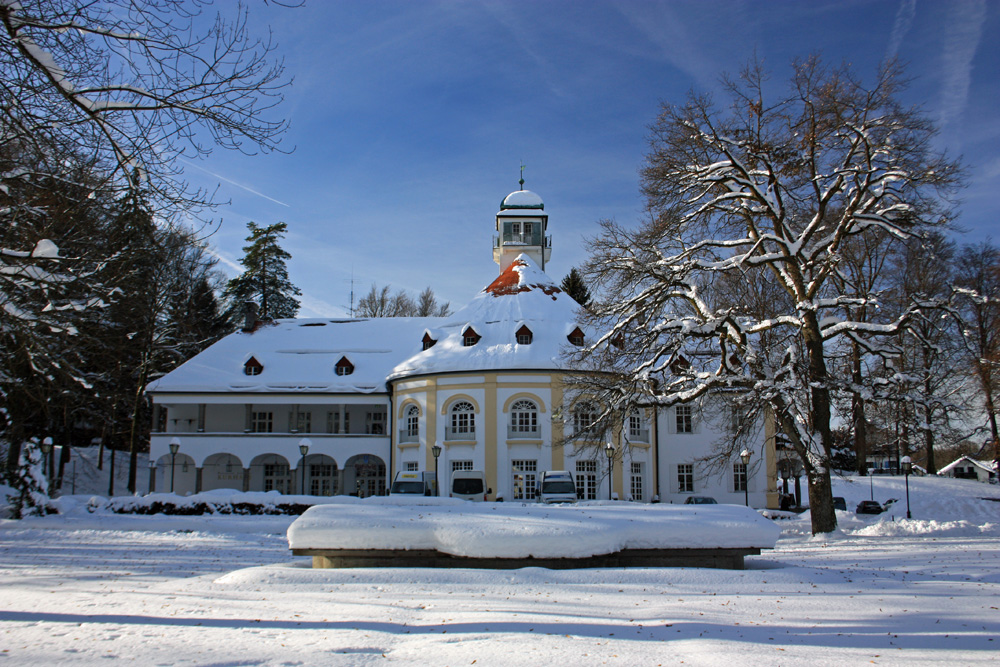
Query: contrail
pixel 239 185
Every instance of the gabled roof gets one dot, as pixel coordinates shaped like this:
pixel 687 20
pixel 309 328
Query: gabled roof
pixel 522 295
pixel 987 466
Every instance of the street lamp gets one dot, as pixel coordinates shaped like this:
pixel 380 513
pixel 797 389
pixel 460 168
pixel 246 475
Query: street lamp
pixel 745 457
pixel 46 448
pixel 304 449
pixel 175 444
pixel 907 465
pixel 609 451
pixel 436 451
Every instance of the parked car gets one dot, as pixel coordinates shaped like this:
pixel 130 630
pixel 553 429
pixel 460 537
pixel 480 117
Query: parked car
pixel 839 503
pixel 868 507
pixel 700 500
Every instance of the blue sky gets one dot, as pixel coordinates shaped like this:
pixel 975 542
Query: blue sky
pixel 410 120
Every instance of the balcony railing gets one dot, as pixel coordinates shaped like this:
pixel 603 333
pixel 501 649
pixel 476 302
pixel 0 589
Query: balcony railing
pixel 523 239
pixel 522 432
pixel 464 433
pixel 405 436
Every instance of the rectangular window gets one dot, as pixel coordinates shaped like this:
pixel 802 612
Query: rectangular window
pixel 636 486
pixel 337 422
pixel 375 423
pixel 685 478
pixel 161 419
pixel 586 480
pixel 461 465
pixel 524 480
pixel 276 477
pixel 261 422
pixel 302 422
pixel 739 476
pixel 685 419
pixel 411 466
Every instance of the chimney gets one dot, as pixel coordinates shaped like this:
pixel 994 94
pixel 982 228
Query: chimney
pixel 249 316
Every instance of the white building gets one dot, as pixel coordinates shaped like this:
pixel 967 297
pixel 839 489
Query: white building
pixel 370 398
pixel 965 467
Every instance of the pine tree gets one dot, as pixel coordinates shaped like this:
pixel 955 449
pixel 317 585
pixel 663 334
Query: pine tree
pixel 265 279
pixel 574 286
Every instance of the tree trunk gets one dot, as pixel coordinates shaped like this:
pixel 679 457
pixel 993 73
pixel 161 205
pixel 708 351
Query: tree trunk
pixel 858 415
pixel 824 519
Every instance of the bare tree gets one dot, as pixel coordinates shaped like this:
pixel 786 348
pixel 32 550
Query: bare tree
pixel 383 302
pixel 979 303
pixel 769 189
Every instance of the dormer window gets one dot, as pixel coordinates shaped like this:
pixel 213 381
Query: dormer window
pixel 470 337
pixel 524 336
pixel 344 367
pixel 253 367
pixel 428 341
pixel 576 337
pixel 618 341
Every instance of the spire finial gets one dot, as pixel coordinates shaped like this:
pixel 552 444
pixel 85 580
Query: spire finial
pixel 521 182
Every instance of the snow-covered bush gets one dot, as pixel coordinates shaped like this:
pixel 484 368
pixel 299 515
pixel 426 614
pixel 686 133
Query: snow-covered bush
pixel 30 497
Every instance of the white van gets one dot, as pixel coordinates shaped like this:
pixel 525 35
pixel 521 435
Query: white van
pixel 557 486
pixel 469 485
pixel 414 484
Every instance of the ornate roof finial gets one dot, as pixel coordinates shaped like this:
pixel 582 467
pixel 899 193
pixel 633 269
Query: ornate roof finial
pixel 522 175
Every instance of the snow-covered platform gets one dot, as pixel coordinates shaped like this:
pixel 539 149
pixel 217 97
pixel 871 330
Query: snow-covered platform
pixel 442 532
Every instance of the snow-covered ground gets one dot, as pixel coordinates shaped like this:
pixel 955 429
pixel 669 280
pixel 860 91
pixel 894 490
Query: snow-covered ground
pixel 93 589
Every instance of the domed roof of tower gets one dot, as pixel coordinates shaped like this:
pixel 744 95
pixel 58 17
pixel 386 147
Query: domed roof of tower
pixel 522 199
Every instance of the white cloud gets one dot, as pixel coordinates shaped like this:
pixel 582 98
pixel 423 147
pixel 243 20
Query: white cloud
pixel 904 20
pixel 963 30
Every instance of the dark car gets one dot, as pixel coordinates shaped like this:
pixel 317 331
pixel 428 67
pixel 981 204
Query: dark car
pixel 700 500
pixel 868 507
pixel 839 503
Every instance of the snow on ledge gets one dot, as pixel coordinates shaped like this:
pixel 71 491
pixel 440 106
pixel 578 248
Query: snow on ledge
pixel 515 530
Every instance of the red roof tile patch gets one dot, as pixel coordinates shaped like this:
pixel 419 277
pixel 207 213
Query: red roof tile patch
pixel 509 282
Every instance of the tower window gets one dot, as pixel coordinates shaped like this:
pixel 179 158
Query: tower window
pixel 470 337
pixel 344 367
pixel 253 367
pixel 524 336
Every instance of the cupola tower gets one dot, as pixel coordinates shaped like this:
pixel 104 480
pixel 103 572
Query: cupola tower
pixel 521 228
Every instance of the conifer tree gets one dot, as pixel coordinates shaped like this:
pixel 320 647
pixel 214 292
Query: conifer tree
pixel 574 286
pixel 265 279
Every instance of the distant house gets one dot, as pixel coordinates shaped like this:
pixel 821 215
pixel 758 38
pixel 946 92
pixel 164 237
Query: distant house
pixel 969 468
pixel 339 406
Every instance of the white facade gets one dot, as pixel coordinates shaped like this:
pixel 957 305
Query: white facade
pixel 373 397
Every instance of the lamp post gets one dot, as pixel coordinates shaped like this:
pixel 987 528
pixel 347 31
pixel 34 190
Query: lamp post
pixel 175 444
pixel 745 457
pixel 609 451
pixel 907 465
pixel 46 448
pixel 436 451
pixel 304 449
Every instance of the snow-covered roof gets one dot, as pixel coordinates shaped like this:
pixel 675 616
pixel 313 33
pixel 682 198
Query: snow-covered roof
pixel 523 295
pixel 300 355
pixel 522 199
pixel 988 466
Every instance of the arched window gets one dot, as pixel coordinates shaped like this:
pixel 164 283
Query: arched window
pixel 253 367
pixel 463 419
pixel 413 421
pixel 524 417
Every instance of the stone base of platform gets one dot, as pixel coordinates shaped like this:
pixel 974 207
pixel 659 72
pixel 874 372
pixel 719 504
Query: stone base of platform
pixel 727 559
